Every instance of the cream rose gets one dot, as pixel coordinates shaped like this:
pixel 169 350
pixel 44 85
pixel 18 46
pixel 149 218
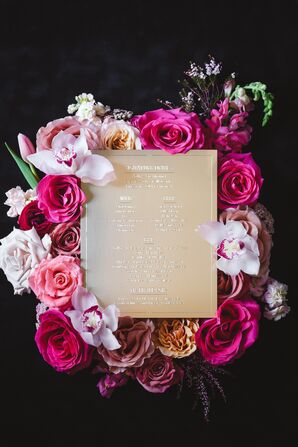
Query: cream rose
pixel 20 252
pixel 119 135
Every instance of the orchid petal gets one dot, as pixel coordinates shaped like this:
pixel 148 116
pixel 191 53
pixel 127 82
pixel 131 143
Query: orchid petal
pixel 76 320
pixel 251 244
pixel 109 340
pixel 82 299
pixel 63 139
pixel 229 267
pixel 250 263
pixel 87 337
pixel 46 162
pixel 213 232
pixel 81 146
pixel 235 229
pixel 96 169
pixel 110 317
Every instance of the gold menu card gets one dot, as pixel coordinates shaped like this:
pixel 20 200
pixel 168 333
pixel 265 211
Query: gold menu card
pixel 139 244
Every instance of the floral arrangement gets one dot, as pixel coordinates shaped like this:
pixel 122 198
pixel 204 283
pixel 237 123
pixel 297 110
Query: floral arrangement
pixel 42 253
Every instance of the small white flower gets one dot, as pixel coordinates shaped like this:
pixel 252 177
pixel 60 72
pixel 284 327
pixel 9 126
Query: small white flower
pixel 41 308
pixel 275 299
pixel 17 199
pixel 237 250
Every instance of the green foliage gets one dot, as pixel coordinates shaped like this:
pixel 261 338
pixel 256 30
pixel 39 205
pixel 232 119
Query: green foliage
pixel 27 170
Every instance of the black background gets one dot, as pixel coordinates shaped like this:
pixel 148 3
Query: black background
pixel 128 55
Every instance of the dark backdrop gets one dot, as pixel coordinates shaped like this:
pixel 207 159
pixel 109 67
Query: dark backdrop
pixel 128 55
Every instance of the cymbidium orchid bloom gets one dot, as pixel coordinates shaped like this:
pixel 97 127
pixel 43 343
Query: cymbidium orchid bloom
pixel 70 156
pixel 237 250
pixel 95 324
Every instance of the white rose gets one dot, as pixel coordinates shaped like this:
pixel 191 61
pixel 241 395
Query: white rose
pixel 20 252
pixel 119 135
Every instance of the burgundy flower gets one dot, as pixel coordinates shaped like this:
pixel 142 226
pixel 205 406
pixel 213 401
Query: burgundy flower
pixel 32 216
pixel 110 382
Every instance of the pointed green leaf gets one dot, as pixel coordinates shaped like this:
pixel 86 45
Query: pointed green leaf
pixel 24 168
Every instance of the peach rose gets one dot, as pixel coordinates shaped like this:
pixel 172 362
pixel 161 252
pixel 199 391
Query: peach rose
pixel 70 125
pixel 135 338
pixel 257 230
pixel 176 338
pixel 119 135
pixel 55 280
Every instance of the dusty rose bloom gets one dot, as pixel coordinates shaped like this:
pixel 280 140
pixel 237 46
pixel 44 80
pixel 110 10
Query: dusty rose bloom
pixel 66 238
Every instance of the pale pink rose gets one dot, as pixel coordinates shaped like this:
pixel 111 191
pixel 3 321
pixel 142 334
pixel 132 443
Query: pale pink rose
pixel 54 281
pixel 69 125
pixel 135 338
pixel 257 230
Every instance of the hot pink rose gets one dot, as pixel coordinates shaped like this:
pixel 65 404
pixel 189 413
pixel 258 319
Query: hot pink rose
pixel 32 216
pixel 239 181
pixel 70 125
pixel 60 198
pixel 227 336
pixel 135 338
pixel 66 238
pixel 255 228
pixel 55 280
pixel 225 133
pixel 174 131
pixel 231 286
pixel 158 373
pixel 60 345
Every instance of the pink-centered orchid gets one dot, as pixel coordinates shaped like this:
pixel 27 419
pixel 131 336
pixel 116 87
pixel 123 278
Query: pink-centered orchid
pixel 94 324
pixel 70 156
pixel 237 251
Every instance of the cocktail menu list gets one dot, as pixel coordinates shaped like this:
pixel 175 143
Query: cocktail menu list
pixel 140 247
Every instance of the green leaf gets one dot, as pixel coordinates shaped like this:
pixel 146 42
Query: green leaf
pixel 31 178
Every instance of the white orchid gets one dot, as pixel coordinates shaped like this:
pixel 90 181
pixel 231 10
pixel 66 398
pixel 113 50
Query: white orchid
pixel 235 248
pixel 70 156
pixel 95 324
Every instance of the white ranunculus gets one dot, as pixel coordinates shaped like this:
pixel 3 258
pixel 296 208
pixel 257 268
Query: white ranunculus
pixel 20 252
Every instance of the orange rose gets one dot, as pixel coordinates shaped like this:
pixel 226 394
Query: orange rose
pixel 176 338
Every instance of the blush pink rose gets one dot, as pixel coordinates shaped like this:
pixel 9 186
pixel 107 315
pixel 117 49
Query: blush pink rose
pixel 70 125
pixel 239 181
pixel 135 338
pixel 174 131
pixel 227 336
pixel 60 198
pixel 231 286
pixel 257 229
pixel 158 373
pixel 66 239
pixel 55 280
pixel 60 345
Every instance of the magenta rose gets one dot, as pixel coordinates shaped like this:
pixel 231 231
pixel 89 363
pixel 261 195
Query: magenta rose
pixel 55 280
pixel 174 131
pixel 66 238
pixel 227 336
pixel 70 125
pixel 110 382
pixel 135 338
pixel 60 198
pixel 239 181
pixel 60 345
pixel 32 216
pixel 232 286
pixel 158 373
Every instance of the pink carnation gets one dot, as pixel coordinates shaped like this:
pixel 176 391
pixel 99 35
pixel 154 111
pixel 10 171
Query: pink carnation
pixel 60 345
pixel 55 280
pixel 227 336
pixel 239 181
pixel 174 131
pixel 70 125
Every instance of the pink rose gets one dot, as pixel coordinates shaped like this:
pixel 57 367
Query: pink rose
pixel 225 133
pixel 158 373
pixel 257 229
pixel 60 345
pixel 231 286
pixel 135 338
pixel 110 382
pixel 60 198
pixel 227 336
pixel 32 216
pixel 55 280
pixel 174 131
pixel 70 125
pixel 239 181
pixel 66 238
